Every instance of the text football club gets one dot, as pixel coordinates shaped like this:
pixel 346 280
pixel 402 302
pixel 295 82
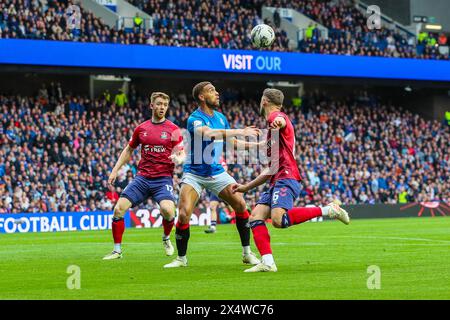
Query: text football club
pixel 56 222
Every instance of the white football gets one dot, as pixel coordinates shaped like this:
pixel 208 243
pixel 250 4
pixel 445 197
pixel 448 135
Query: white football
pixel 262 36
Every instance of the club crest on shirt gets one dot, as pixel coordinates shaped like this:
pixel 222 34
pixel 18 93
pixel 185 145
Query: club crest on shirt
pixel 163 135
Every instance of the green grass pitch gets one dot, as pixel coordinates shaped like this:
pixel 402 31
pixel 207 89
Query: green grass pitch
pixel 325 260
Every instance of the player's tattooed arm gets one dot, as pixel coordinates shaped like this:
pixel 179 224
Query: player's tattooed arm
pixel 262 178
pixel 124 158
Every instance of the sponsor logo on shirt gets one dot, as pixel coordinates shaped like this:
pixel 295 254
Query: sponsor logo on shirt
pixel 154 149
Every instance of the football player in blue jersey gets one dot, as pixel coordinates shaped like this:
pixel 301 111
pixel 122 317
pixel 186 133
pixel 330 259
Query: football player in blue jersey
pixel 208 129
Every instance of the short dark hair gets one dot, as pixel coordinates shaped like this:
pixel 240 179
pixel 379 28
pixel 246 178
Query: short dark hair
pixel 197 90
pixel 274 96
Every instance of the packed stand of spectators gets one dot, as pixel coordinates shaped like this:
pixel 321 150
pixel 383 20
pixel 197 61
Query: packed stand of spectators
pixel 349 34
pixel 57 149
pixel 206 24
pixel 55 20
pixel 181 23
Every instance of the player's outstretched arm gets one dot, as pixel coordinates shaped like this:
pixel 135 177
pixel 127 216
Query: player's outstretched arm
pixel 242 144
pixel 228 133
pixel 124 158
pixel 259 180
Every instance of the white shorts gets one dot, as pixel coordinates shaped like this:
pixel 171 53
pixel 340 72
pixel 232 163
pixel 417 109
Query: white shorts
pixel 215 184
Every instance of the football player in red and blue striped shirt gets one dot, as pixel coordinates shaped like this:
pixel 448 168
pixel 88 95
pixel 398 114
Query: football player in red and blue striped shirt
pixel 278 202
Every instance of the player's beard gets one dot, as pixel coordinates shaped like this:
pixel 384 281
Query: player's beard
pixel 262 111
pixel 212 104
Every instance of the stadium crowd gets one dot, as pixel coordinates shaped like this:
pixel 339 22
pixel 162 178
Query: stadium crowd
pixel 221 24
pixel 349 33
pixel 57 149
pixel 180 23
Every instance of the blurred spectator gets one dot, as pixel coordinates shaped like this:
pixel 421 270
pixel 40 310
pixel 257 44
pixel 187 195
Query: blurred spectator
pixel 442 39
pixel 277 18
pixel 107 95
pixel 422 37
pixel 121 98
pixel 112 195
pixel 138 21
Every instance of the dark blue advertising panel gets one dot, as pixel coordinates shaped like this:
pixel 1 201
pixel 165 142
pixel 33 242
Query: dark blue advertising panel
pixel 145 57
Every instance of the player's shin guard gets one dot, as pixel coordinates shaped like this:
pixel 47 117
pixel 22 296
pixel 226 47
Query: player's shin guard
pixel 182 234
pixel 118 228
pixel 299 215
pixel 168 226
pixel 243 227
pixel 261 237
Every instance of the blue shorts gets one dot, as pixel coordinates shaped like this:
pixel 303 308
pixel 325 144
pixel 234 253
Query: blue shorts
pixel 141 188
pixel 213 197
pixel 281 195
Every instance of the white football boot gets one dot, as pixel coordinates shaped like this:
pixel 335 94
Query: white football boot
pixel 178 262
pixel 168 247
pixel 250 258
pixel 113 255
pixel 337 212
pixel 261 267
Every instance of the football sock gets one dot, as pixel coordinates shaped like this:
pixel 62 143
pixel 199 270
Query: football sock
pixel 243 227
pixel 118 228
pixel 167 225
pixel 261 237
pixel 246 250
pixel 182 234
pixel 325 210
pixel 299 215
pixel 267 259
pixel 213 223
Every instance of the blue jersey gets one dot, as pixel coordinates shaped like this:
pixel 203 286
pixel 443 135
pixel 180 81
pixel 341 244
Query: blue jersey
pixel 204 154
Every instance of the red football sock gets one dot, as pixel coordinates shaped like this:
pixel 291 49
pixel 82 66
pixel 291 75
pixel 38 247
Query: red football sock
pixel 118 228
pixel 262 239
pixel 167 225
pixel 243 215
pixel 182 226
pixel 299 215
